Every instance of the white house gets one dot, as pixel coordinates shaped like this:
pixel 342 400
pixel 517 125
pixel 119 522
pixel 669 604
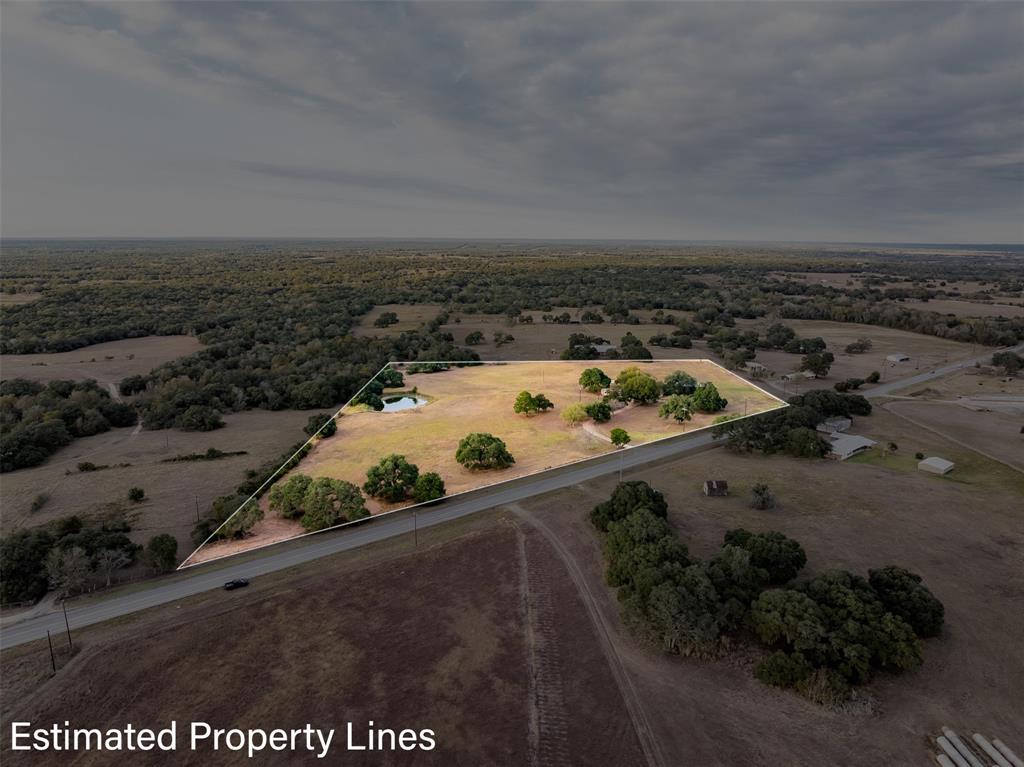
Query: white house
pixel 898 357
pixel 847 445
pixel 936 465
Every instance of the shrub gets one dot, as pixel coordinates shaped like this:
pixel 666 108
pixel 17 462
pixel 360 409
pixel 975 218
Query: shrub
pixel 39 501
pixel 286 498
pixel 762 497
pixel 428 487
pixel 322 425
pixel 329 502
pixel 136 494
pixel 600 412
pixel 782 669
pixel 677 406
pixel 620 437
pixel 574 414
pixel 824 687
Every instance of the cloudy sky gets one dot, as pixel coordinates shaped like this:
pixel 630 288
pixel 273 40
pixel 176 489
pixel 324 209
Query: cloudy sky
pixel 761 121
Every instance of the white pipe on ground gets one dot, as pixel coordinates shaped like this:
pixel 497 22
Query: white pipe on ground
pixel 944 761
pixel 1005 751
pixel 992 751
pixel 946 746
pixel 960 746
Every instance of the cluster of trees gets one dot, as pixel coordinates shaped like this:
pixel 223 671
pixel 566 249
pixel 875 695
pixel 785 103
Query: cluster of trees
pixel 394 479
pixel 66 555
pixel 317 503
pixel 372 393
pixel 584 347
pixel 792 429
pixel 38 419
pixel 529 404
pixel 825 634
pixel 1010 362
pixel 386 319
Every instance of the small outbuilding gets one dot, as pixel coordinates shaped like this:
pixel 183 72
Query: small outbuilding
pixel 834 425
pixel 716 487
pixel 936 465
pixel 898 357
pixel 848 445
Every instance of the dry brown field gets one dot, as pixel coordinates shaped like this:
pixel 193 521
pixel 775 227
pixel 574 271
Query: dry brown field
pixel 968 308
pixel 16 299
pixel 926 352
pixel 997 435
pixel 410 317
pixel 480 398
pixel 970 383
pixel 479 636
pixel 107 363
pixel 172 489
pixel 547 341
pixel 963 535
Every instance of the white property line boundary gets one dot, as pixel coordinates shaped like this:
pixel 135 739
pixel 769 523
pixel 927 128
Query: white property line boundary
pixel 451 364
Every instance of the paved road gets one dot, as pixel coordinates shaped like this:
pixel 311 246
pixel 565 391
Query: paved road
pixel 885 389
pixel 199 579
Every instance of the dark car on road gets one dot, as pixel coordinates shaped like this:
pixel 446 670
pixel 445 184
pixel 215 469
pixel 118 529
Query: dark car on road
pixel 237 583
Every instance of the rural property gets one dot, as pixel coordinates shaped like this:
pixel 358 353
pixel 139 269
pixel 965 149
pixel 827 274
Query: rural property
pixel 432 408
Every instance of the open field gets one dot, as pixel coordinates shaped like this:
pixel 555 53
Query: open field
pixel 925 351
pixel 172 489
pixel 963 537
pixel 480 398
pixel 546 341
pixel 967 308
pixel 481 637
pixel 410 317
pixel 16 299
pixel 996 435
pixel 975 384
pixel 108 363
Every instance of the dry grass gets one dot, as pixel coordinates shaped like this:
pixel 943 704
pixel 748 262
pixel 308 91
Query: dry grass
pixel 107 363
pixel 964 538
pixel 480 398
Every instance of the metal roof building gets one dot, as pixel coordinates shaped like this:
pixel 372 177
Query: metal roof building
pixel 936 465
pixel 847 445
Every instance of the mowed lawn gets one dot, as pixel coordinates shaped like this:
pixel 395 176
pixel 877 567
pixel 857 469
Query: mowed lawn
pixel 480 399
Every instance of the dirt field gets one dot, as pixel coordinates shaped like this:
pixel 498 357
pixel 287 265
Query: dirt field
pixel 481 638
pixel 996 435
pixel 976 384
pixel 172 489
pixel 925 352
pixel 968 308
pixel 963 537
pixel 16 299
pixel 547 341
pixel 480 398
pixel 410 317
pixel 107 363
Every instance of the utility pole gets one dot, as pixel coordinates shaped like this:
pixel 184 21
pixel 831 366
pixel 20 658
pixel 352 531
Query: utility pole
pixel 53 662
pixel 197 509
pixel 415 531
pixel 67 625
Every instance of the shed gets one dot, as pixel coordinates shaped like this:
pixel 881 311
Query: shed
pixel 936 465
pixel 846 445
pixel 897 357
pixel 834 425
pixel 716 487
pixel 603 348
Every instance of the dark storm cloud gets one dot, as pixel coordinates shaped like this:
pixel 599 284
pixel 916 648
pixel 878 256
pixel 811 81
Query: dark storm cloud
pixel 731 120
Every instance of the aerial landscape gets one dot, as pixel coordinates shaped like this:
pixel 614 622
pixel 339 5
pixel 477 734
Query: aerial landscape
pixel 361 404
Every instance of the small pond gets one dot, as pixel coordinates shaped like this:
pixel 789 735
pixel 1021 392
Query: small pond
pixel 404 402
